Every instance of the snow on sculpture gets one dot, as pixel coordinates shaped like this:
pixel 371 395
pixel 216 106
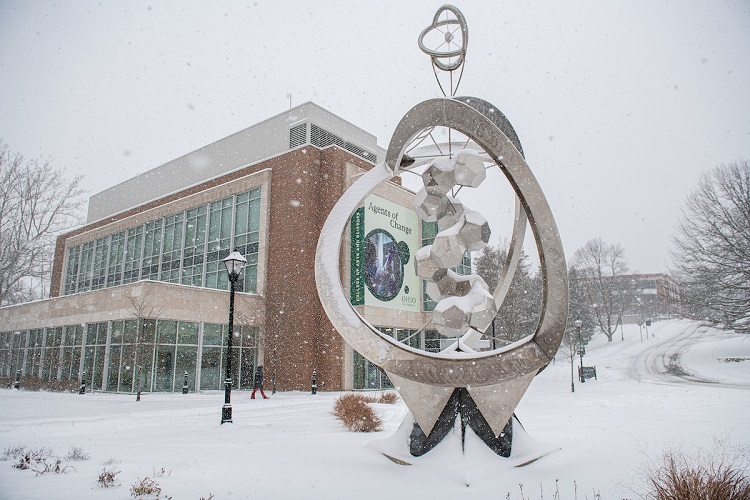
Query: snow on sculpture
pixel 481 389
pixel 461 230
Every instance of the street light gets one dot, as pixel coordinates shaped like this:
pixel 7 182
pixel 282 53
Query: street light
pixel 234 262
pixel 581 348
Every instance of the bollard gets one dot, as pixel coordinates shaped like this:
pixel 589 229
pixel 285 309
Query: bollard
pixel 185 384
pixel 315 383
pixel 273 382
pixel 17 383
pixel 82 389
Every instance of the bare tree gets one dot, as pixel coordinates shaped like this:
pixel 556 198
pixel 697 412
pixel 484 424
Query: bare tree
pixel 36 203
pixel 144 308
pixel 711 251
pixel 602 271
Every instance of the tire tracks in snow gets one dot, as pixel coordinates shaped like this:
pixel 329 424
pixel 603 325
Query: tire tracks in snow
pixel 662 364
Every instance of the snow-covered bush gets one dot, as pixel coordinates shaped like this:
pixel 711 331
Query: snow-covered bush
pixel 40 460
pixel 145 486
pixel 77 454
pixel 719 474
pixel 356 414
pixel 388 398
pixel 107 478
pixel 12 452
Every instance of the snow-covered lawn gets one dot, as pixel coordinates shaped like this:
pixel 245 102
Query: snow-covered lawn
pixel 289 446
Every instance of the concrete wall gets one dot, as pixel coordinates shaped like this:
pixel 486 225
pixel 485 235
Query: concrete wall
pixel 169 301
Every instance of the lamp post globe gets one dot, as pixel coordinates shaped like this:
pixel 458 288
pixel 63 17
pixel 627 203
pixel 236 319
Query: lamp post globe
pixel 234 263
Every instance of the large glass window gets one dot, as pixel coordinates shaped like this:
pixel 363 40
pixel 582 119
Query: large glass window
pixel 246 236
pixel 84 270
pixel 34 353
pixel 115 351
pixel 186 363
pixel 4 354
pixel 244 356
pixel 127 368
pixel 145 354
pixel 172 250
pixel 72 352
pixel 99 267
pixel 67 370
pixel 213 340
pixel 19 350
pixel 116 255
pixel 93 363
pixel 151 250
pixel 186 248
pixel 71 271
pixel 164 368
pixel 219 236
pixel 367 375
pixel 132 264
pixel 195 247
pixel 432 340
pixel 52 353
pixel 165 355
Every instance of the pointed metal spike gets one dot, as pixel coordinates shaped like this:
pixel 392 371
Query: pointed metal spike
pixel 498 402
pixel 425 402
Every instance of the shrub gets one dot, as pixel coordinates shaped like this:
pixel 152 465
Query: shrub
pixel 25 457
pixel 107 478
pixel 12 452
pixel 41 461
pixel 356 414
pixel 145 486
pixel 36 384
pixel 77 454
pixel 717 475
pixel 51 464
pixel 388 398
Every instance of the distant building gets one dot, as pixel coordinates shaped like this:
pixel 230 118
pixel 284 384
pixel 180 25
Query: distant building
pixel 158 240
pixel 658 296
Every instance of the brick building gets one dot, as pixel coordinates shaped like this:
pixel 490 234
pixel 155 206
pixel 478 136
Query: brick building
pixel 658 296
pixel 151 250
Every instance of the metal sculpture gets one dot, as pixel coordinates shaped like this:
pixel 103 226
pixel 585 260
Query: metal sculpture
pixel 483 388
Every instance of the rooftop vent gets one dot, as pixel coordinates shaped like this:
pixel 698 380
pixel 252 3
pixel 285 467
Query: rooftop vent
pixel 297 135
pixel 323 138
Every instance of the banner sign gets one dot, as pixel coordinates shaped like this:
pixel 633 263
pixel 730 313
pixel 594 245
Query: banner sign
pixel 357 281
pixel 385 237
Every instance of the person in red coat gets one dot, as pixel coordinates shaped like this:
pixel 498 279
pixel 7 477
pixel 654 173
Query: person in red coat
pixel 258 383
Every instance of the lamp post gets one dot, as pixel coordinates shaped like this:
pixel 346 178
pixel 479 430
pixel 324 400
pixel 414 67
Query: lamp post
pixel 640 320
pixel 234 262
pixel 581 348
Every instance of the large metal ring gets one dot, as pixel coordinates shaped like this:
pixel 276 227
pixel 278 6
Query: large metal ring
pixel 465 370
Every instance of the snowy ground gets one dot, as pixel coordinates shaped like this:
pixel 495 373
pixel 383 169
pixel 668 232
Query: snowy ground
pixel 684 387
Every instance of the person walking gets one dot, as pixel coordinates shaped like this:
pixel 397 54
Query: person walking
pixel 258 383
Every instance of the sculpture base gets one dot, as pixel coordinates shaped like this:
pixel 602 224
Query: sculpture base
pixel 461 450
pixel 461 409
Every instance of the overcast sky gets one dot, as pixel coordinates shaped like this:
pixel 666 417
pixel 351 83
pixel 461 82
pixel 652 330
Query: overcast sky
pixel 619 105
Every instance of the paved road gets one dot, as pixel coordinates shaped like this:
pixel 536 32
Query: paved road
pixel 662 363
